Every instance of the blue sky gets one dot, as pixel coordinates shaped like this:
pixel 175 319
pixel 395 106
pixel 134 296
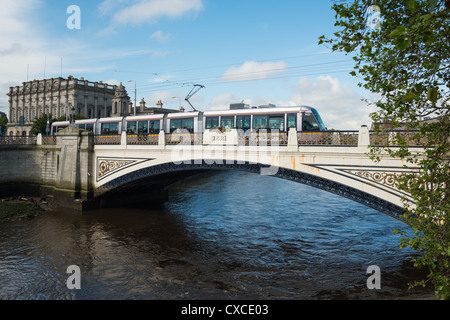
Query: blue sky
pixel 258 52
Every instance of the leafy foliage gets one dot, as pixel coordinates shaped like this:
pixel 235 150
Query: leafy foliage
pixel 40 123
pixel 3 123
pixel 405 60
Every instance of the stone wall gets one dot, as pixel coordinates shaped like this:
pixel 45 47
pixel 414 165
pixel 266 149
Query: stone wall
pixel 61 171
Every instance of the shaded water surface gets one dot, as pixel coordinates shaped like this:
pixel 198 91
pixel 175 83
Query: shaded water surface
pixel 227 235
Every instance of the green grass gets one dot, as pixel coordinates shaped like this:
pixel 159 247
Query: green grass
pixel 18 210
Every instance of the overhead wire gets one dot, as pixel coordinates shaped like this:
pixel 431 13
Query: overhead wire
pixel 267 74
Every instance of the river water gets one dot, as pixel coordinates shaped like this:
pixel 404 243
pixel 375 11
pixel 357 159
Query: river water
pixel 228 235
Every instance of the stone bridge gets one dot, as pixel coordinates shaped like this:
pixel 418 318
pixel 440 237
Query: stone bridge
pixel 93 171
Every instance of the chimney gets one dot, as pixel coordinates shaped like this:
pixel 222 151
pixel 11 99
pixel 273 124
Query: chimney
pixel 159 104
pixel 142 105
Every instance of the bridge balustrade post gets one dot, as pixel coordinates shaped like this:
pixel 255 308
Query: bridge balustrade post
pixel 123 139
pixel 75 164
pixel 162 138
pixel 363 137
pixel 39 139
pixel 292 139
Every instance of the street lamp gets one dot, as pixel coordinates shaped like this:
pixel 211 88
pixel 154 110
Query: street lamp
pixel 134 95
pixel 179 101
pixel 72 117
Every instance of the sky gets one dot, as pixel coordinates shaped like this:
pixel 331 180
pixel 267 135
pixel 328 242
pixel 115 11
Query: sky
pixel 257 52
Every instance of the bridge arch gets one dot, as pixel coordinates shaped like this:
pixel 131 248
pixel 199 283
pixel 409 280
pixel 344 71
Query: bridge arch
pixel 159 176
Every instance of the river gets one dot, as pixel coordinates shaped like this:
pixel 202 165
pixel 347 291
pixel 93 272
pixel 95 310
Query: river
pixel 228 235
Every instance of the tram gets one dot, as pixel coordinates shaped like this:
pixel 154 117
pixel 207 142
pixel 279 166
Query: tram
pixel 302 118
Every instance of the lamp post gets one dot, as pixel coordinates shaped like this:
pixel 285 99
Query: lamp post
pixel 47 128
pixel 179 101
pixel 134 95
pixel 72 117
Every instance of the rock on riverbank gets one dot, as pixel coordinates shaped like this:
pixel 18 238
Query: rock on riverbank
pixel 16 208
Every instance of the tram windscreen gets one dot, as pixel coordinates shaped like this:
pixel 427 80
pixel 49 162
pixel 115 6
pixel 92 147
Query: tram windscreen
pixel 309 123
pixel 319 120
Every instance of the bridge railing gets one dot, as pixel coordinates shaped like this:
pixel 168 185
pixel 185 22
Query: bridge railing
pixel 114 139
pixel 263 138
pixel 49 140
pixel 142 139
pixel 184 138
pixel 17 140
pixel 329 138
pixel 342 138
pixel 391 138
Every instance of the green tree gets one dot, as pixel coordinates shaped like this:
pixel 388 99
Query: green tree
pixel 3 123
pixel 401 51
pixel 40 124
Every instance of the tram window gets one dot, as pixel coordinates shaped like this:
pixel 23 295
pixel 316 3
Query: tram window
pixel 227 122
pixel 212 122
pixel 309 123
pixel 110 128
pixel 260 122
pixel 131 127
pixel 187 124
pixel 142 127
pixel 276 123
pixel 154 127
pixel 175 124
pixel 292 120
pixel 243 122
pixel 90 127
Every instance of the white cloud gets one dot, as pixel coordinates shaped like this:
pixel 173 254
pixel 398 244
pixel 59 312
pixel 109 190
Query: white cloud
pixel 21 45
pixel 160 36
pixel 252 70
pixel 149 11
pixel 222 101
pixel 339 106
pixel 109 6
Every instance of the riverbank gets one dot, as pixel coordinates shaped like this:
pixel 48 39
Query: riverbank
pixel 16 208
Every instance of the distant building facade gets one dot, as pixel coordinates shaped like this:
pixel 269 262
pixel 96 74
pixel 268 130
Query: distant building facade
pixel 57 96
pixel 60 97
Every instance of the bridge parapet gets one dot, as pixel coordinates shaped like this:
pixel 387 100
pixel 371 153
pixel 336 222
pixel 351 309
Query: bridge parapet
pixel 237 137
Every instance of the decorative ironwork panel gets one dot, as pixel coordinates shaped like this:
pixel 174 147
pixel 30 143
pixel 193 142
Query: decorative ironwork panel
pixel 49 140
pixel 107 139
pixel 330 138
pixel 184 138
pixel 263 139
pixel 143 139
pixel 17 140
pixel 391 138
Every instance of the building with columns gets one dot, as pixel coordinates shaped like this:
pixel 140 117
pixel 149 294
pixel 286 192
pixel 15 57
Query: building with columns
pixel 60 96
pixel 57 96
